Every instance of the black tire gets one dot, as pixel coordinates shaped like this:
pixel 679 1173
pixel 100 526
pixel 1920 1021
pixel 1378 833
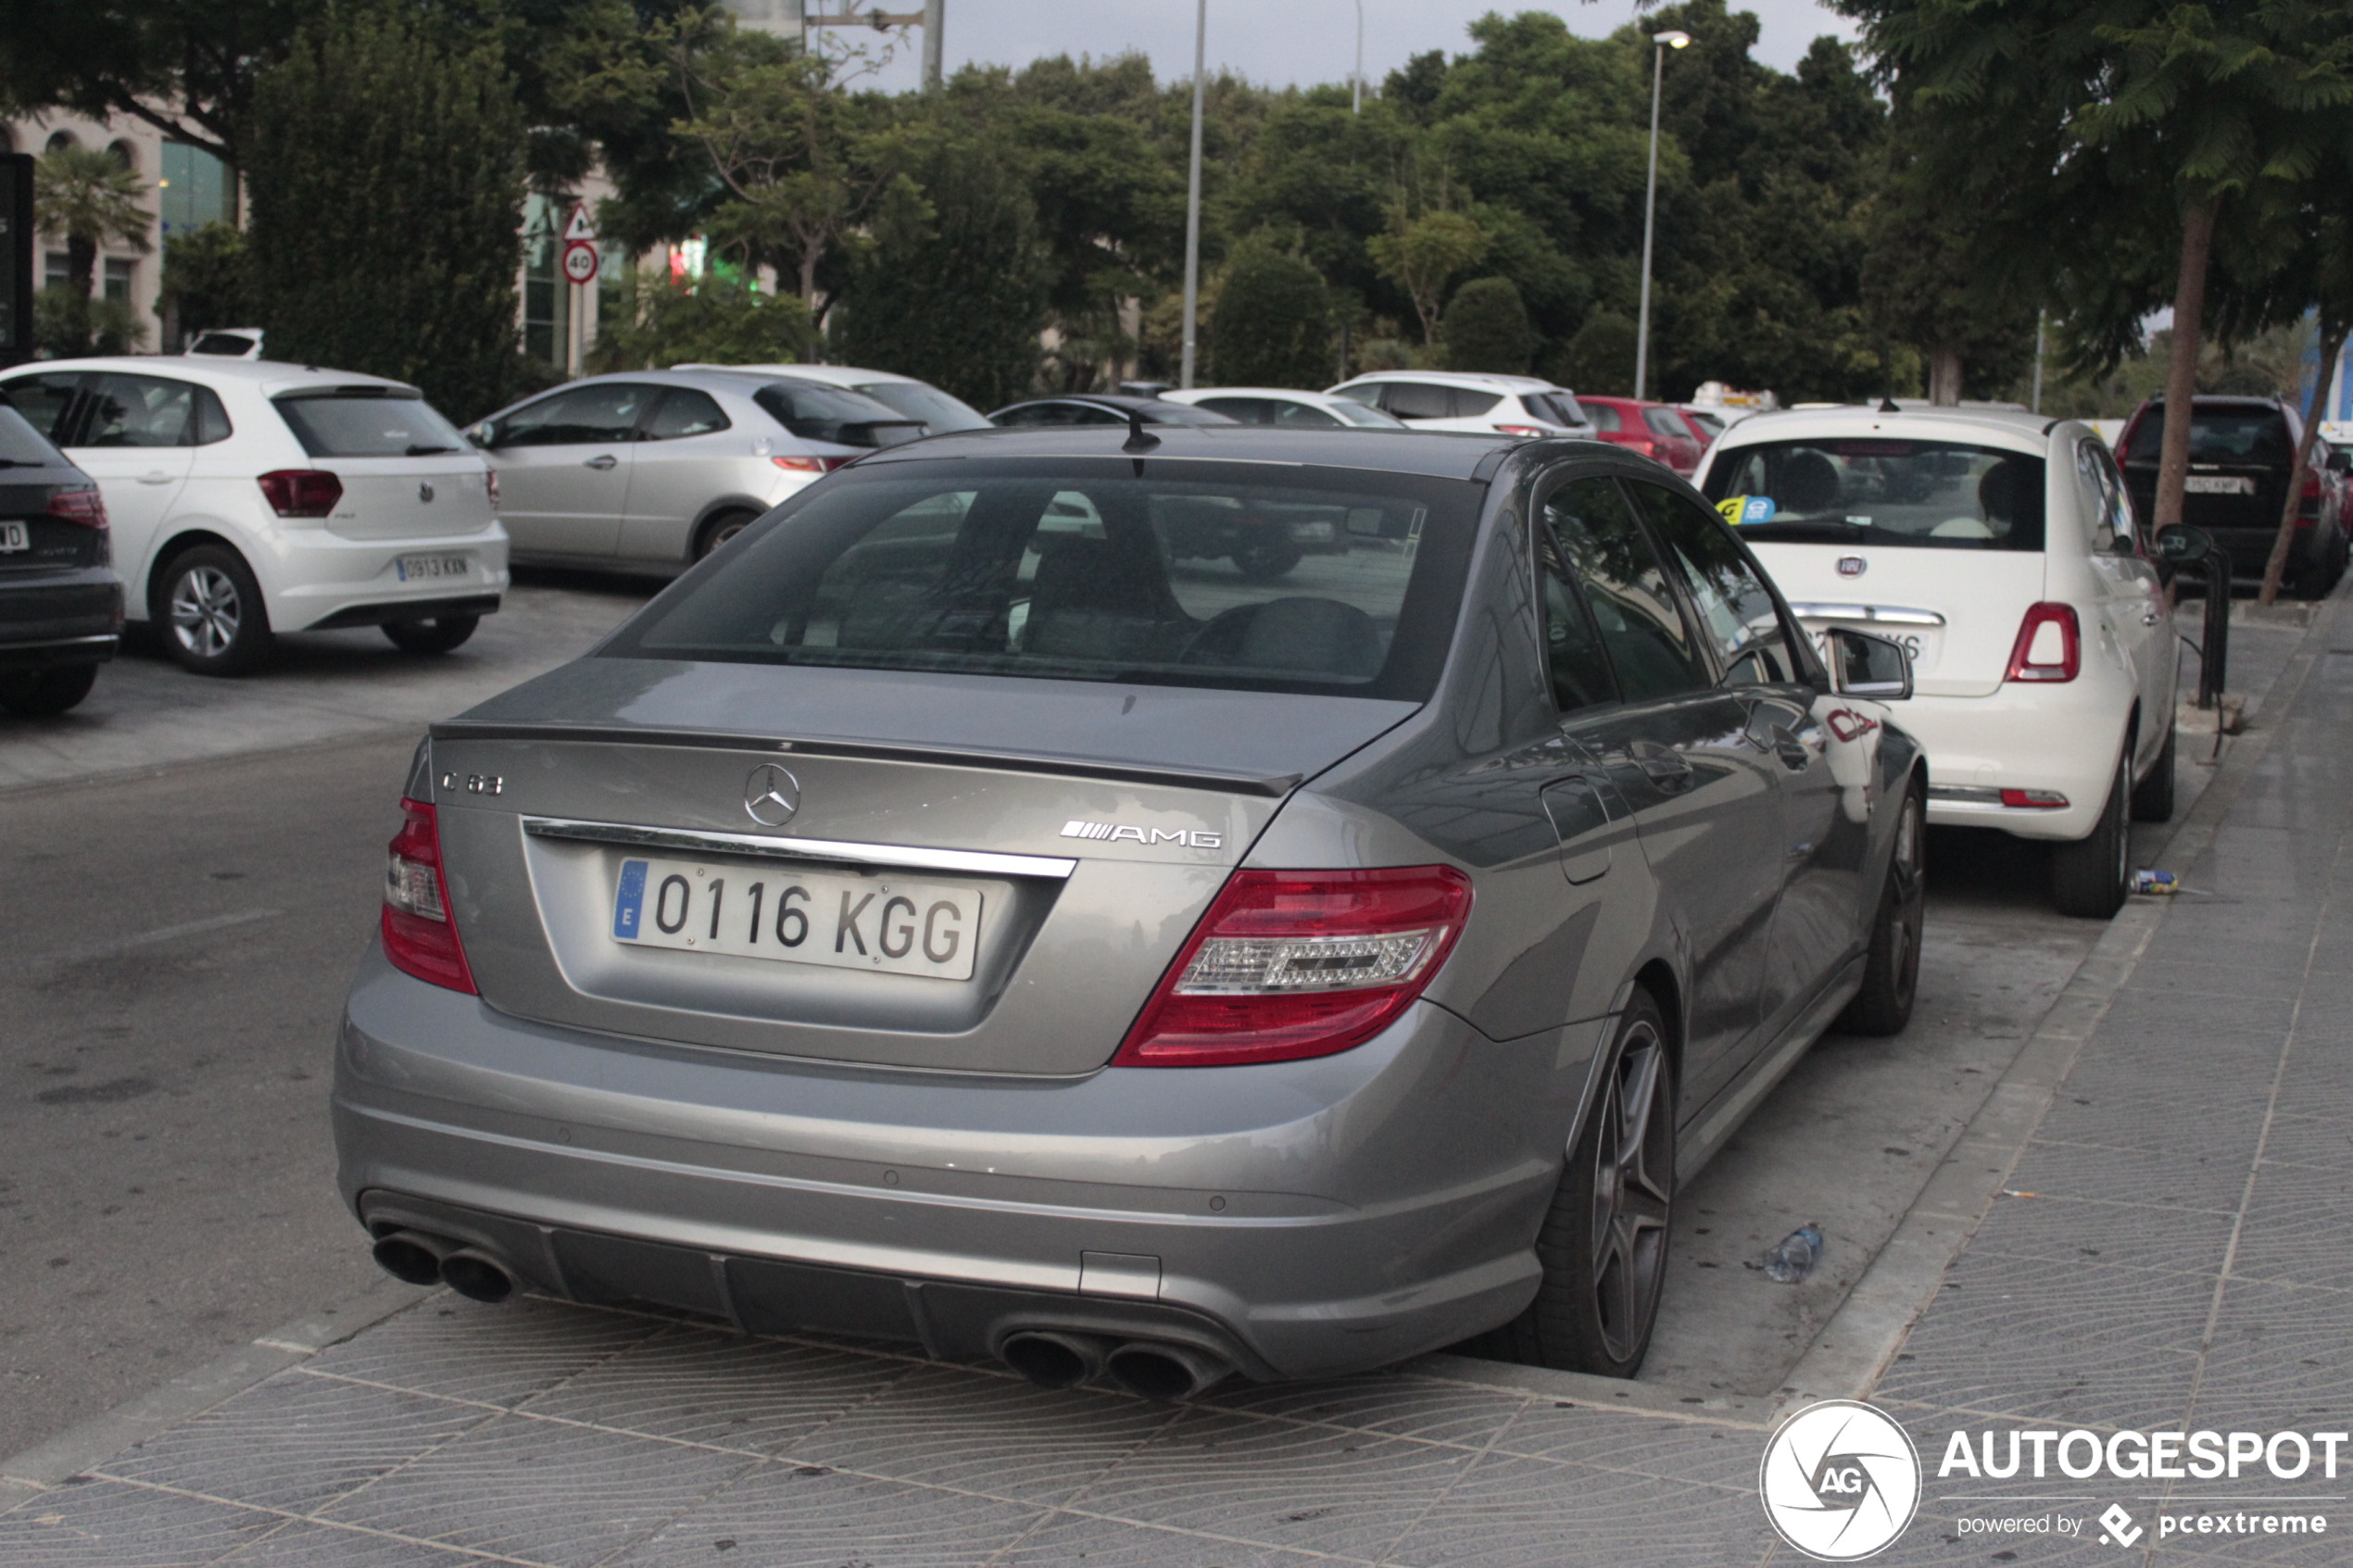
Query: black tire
pixel 720 529
pixel 2088 877
pixel 1604 1257
pixel 44 694
pixel 1262 560
pixel 208 612
pixel 1891 967
pixel 2153 796
pixel 431 636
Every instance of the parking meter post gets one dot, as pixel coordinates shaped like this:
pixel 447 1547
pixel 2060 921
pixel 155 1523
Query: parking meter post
pixel 2214 650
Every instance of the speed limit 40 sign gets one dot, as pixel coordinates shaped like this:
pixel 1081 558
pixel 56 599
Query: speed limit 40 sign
pixel 580 261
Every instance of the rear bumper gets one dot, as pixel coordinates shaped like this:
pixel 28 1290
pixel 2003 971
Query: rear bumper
pixel 407 610
pixel 2022 737
pixel 72 617
pixel 1303 1218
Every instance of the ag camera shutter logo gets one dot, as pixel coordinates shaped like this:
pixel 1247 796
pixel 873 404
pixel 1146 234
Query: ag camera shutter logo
pixel 1839 1481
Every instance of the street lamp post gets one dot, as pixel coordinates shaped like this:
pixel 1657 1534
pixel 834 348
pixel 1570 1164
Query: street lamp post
pixel 1665 41
pixel 1192 201
pixel 1357 96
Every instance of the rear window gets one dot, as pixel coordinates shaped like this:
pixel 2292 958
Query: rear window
pixel 2253 435
pixel 1184 573
pixel 345 425
pixel 940 412
pixel 21 445
pixel 1561 407
pixel 1934 495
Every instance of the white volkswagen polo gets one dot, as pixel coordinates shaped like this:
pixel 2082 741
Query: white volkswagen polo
pixel 247 495
pixel 1999 549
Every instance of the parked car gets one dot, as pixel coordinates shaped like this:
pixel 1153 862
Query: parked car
pixel 2000 550
pixel 228 343
pixel 1288 408
pixel 60 601
pixel 940 412
pixel 2242 452
pixel 1459 400
pixel 1706 423
pixel 946 920
pixel 1101 409
pixel 654 469
pixel 247 497
pixel 1657 430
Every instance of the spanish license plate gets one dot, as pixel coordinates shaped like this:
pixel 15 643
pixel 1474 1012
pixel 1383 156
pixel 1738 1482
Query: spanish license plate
pixel 425 569
pixel 839 920
pixel 14 536
pixel 2218 485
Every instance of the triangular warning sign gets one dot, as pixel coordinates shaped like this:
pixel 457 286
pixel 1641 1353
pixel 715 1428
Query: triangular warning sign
pixel 579 228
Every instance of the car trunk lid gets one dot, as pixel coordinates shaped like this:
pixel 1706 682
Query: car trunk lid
pixel 1957 611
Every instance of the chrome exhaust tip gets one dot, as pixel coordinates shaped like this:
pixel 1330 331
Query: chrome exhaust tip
pixel 1051 1359
pixel 412 1256
pixel 477 1276
pixel 1163 1371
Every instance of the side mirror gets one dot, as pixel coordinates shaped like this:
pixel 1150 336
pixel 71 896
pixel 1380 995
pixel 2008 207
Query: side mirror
pixel 1868 666
pixel 483 434
pixel 2184 545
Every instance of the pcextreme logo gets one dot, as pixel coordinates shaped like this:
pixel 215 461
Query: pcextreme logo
pixel 1839 1481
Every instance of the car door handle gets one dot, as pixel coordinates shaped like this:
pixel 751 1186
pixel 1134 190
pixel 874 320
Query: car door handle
pixel 1663 766
pixel 608 461
pixel 156 476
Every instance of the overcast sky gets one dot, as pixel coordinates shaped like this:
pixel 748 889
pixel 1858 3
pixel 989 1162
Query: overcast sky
pixel 1277 41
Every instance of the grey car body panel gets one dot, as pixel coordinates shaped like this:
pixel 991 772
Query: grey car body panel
pixel 1367 1205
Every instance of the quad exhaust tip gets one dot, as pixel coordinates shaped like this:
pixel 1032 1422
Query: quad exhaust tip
pixel 1150 1370
pixel 419 1259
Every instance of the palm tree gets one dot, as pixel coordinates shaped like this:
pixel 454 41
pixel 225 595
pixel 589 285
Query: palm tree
pixel 88 199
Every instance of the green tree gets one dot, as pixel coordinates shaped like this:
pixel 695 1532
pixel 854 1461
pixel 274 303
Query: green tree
pixel 85 199
pixel 1271 324
pixel 1927 286
pixel 1600 358
pixel 360 263
pixel 1486 327
pixel 951 287
pixel 1422 255
pixel 653 322
pixel 208 280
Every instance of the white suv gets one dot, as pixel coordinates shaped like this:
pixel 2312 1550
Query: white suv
pixel 1460 400
pixel 1999 549
pixel 245 495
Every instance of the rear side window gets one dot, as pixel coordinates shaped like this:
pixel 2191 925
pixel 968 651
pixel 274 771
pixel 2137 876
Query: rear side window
pixel 1931 494
pixel 44 401
pixel 339 426
pixel 139 411
pixel 1666 422
pixel 212 419
pixel 1418 400
pixel 1650 647
pixel 2253 435
pixel 1604 416
pixel 1197 574
pixel 682 412
pixel 1561 407
pixel 1741 621
pixel 1469 405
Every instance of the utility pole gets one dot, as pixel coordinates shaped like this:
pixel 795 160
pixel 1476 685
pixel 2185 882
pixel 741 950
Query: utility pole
pixel 1665 41
pixel 1192 202
pixel 1357 96
pixel 933 21
pixel 2036 407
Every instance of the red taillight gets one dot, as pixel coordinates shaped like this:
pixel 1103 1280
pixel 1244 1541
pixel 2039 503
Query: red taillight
pixel 1289 964
pixel 420 930
pixel 490 483
pixel 2308 512
pixel 83 506
pixel 2049 645
pixel 811 465
pixel 301 492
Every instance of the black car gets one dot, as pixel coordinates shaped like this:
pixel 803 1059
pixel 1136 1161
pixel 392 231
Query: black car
pixel 2242 453
pixel 1103 408
pixel 60 601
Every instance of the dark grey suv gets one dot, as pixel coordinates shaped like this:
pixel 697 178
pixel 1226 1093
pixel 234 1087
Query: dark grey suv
pixel 60 601
pixel 951 914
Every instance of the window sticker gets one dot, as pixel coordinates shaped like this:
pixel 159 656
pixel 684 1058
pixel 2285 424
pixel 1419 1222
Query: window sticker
pixel 1743 511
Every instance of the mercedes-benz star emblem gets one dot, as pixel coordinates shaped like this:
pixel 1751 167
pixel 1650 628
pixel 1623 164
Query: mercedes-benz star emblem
pixel 424 490
pixel 770 796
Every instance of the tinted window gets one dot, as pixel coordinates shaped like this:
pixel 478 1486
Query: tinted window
pixel 1735 608
pixel 369 427
pixel 1648 645
pixel 1418 400
pixel 938 411
pixel 1025 415
pixel 580 416
pixel 1081 570
pixel 1561 407
pixel 1604 416
pixel 683 411
pixel 212 419
pixel 1247 410
pixel 23 447
pixel 43 402
pixel 231 344
pixel 139 411
pixel 1708 423
pixel 1665 423
pixel 2249 434
pixel 1572 646
pixel 1936 494
pixel 1469 405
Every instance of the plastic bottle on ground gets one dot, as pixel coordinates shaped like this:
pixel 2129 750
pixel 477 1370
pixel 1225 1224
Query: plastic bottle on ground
pixel 1795 1258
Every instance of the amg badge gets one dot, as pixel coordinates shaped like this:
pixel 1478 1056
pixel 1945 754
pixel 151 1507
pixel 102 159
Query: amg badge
pixel 1118 834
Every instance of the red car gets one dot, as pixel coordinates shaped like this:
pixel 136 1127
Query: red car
pixel 1656 430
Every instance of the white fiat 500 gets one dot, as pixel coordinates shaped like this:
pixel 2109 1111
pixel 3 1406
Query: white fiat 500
pixel 245 495
pixel 1999 549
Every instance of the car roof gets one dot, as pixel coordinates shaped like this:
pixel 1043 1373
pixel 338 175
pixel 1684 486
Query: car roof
pixel 1441 455
pixel 1485 382
pixel 2024 432
pixel 1108 399
pixel 1197 394
pixel 268 375
pixel 833 375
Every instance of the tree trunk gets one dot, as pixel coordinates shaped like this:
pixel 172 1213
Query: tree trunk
pixel 1944 375
pixel 2181 372
pixel 2275 569
pixel 82 265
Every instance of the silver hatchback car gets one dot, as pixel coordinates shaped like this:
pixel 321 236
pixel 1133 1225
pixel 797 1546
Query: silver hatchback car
pixel 950 914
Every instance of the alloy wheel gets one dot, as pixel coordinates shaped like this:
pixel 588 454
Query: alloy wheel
pixel 1633 1181
pixel 205 611
pixel 1904 917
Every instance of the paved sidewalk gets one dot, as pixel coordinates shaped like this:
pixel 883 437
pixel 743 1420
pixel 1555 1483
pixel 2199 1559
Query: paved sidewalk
pixel 2171 1253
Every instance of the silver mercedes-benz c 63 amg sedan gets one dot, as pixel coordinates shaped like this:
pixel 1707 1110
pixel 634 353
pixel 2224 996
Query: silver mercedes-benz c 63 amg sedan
pixel 950 914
